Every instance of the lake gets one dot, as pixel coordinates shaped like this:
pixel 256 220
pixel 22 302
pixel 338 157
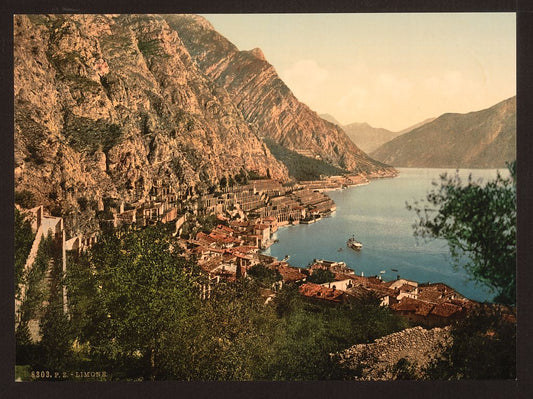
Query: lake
pixel 376 213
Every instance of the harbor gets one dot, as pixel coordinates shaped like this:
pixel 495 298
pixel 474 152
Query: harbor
pixel 377 215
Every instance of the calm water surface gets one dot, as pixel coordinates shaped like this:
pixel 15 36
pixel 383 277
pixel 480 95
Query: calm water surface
pixel 376 213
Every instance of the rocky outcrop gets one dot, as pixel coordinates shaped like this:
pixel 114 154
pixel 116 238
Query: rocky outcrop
pixel 482 139
pixel 382 359
pixel 265 101
pixel 105 105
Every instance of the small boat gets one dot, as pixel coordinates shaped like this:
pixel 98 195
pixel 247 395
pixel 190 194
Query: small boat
pixel 394 270
pixel 354 244
pixel 382 272
pixel 286 258
pixel 339 250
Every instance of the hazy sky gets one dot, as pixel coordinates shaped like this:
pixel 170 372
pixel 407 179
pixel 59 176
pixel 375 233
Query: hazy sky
pixel 389 70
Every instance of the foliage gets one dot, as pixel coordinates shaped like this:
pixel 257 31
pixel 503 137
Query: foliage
pixel 34 306
pixel 321 276
pixel 484 347
pixel 207 223
pixel 263 275
pixel 312 331
pixel 57 339
pixel 83 203
pixel 231 337
pixel 223 183
pixel 85 134
pixel 36 288
pixel 254 175
pixel 404 370
pixel 25 199
pixel 23 241
pixel 151 47
pixel 136 312
pixel 301 167
pixel 479 222
pixel 241 177
pixel 145 291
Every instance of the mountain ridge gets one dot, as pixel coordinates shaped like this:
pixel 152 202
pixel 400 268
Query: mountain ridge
pixel 368 138
pixel 478 139
pixel 266 102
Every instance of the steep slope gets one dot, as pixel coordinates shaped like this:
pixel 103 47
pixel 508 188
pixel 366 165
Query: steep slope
pixel 482 139
pixel 368 138
pixel 106 105
pixel 265 101
pixel 416 125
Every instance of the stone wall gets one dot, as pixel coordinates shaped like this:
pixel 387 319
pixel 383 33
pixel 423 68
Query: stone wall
pixel 377 360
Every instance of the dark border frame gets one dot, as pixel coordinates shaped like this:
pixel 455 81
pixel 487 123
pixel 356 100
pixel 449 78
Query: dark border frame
pixel 434 389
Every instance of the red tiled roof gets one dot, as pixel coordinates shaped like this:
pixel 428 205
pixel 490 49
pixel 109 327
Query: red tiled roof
pixel 437 292
pixel 225 229
pixel 413 305
pixel 290 273
pixel 407 287
pixel 445 309
pixel 311 290
pixel 342 276
pixel 211 264
pixel 239 223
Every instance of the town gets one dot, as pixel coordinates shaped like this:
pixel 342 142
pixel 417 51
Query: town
pixel 244 220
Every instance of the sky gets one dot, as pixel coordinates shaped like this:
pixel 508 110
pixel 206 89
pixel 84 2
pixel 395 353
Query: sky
pixel 389 70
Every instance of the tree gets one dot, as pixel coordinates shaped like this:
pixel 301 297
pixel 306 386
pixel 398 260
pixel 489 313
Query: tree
pixel 263 275
pixel 25 199
pixel 484 347
pixel 321 276
pixel 312 331
pixel 231 337
pixel 23 241
pixel 144 291
pixel 479 222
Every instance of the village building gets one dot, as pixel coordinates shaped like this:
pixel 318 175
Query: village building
pixel 81 242
pixel 332 266
pixel 320 293
pixel 427 313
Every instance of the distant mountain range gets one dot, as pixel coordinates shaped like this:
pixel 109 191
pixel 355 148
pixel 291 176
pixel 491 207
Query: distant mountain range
pixel 482 139
pixel 367 137
pixel 416 125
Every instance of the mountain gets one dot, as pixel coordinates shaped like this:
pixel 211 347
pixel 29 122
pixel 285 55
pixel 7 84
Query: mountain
pixel 368 138
pixel 330 118
pixel 265 101
pixel 417 125
pixel 106 105
pixel 482 139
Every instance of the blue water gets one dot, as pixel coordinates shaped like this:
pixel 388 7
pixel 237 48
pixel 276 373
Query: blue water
pixel 376 213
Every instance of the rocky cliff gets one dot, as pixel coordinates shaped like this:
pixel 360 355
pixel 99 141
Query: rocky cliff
pixel 105 105
pixel 482 139
pixel 265 101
